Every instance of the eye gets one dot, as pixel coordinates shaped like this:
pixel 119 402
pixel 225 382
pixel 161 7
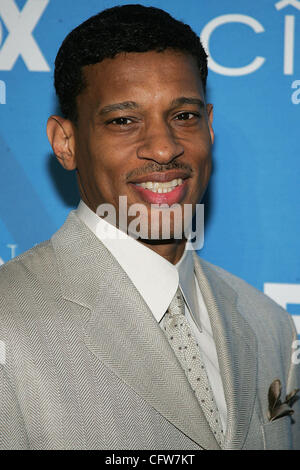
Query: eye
pixel 121 121
pixel 186 116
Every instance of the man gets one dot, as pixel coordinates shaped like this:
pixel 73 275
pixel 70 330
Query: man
pixel 113 342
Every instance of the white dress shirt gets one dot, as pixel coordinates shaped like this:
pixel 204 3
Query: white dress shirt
pixel 157 280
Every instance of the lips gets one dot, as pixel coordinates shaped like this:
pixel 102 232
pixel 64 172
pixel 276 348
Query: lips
pixel 162 177
pixel 173 197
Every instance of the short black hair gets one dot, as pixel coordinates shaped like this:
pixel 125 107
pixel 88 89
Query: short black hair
pixel 127 28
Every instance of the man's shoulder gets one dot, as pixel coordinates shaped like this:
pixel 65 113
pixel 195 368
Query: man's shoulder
pixel 29 265
pixel 41 258
pixel 242 287
pixel 259 310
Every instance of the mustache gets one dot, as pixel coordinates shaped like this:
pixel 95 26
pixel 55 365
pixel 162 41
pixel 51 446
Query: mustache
pixel 153 167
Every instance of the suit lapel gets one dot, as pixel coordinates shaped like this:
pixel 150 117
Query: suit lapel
pixel 236 349
pixel 122 332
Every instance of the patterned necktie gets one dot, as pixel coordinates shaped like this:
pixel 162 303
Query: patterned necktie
pixel 182 341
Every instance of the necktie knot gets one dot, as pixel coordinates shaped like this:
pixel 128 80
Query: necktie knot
pixel 177 304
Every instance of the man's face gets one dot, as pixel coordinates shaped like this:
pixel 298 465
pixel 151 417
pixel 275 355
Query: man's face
pixel 143 131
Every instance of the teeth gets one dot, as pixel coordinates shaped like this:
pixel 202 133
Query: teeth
pixel 157 187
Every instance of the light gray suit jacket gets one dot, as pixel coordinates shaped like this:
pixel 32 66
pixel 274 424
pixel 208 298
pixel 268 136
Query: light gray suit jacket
pixel 88 367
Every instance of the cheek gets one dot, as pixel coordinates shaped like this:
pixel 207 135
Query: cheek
pixel 109 152
pixel 200 153
pixel 201 164
pixel 114 159
pixel 204 167
pixel 104 158
pixel 109 168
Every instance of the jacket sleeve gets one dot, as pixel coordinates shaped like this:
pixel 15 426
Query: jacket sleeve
pixel 12 428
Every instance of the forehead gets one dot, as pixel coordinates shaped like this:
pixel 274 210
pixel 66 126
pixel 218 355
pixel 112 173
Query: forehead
pixel 142 75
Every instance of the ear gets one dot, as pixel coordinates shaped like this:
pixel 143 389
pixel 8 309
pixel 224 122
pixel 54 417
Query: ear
pixel 210 113
pixel 61 137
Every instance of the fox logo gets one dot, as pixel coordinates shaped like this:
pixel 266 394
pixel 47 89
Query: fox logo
pixel 20 41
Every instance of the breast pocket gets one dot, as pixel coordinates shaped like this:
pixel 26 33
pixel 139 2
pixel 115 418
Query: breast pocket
pixel 278 434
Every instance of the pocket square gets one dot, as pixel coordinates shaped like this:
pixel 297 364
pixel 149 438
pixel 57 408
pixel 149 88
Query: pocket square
pixel 277 408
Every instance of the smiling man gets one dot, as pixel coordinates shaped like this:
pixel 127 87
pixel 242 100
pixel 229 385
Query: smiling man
pixel 123 342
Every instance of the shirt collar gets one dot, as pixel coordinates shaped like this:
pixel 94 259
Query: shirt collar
pixel 155 278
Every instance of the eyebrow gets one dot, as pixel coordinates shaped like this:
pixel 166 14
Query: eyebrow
pixel 118 107
pixel 133 105
pixel 187 100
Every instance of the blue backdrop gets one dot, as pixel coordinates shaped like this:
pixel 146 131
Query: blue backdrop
pixel 252 206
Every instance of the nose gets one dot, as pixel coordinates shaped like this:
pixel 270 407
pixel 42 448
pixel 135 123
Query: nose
pixel 159 144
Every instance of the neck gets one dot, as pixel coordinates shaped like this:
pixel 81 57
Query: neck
pixel 171 250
